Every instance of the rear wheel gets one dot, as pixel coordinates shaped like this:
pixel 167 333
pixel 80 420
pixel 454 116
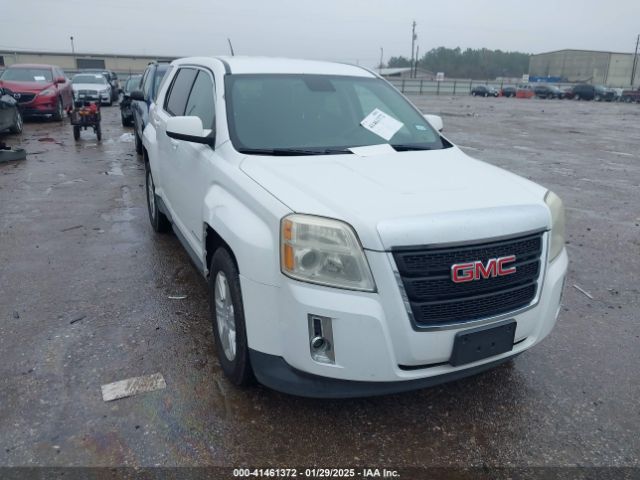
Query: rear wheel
pixel 473 94
pixel 76 133
pixel 227 317
pixel 99 132
pixel 17 123
pixel 159 220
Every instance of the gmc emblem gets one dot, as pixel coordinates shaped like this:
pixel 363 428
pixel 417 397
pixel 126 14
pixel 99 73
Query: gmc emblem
pixel 495 267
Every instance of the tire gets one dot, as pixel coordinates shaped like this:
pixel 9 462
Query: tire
pixel 99 132
pixel 76 133
pixel 486 95
pixel 227 313
pixel 58 115
pixel 473 94
pixel 138 143
pixel 159 221
pixel 17 123
pixel 576 97
pixel 597 98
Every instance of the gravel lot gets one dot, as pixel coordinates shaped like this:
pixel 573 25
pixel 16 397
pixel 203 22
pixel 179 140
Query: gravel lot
pixel 84 287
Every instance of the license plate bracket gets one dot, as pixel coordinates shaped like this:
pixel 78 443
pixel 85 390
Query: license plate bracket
pixel 482 342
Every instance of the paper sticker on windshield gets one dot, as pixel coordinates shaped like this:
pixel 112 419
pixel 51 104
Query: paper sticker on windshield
pixel 38 78
pixel 381 124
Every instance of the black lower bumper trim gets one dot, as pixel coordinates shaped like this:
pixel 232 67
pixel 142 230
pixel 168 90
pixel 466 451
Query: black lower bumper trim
pixel 273 372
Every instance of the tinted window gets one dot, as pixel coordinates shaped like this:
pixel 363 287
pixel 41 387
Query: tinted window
pixel 177 100
pixel 161 73
pixel 201 103
pixel 147 84
pixel 145 78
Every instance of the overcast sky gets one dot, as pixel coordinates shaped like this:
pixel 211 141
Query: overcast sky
pixel 343 30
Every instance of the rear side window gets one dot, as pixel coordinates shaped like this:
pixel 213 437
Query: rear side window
pixel 176 102
pixel 201 103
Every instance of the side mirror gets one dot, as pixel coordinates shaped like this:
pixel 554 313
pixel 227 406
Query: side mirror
pixel 137 95
pixel 189 129
pixel 435 121
pixel 60 80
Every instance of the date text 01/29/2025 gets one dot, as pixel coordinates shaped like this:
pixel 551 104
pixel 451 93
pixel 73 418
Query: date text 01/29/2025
pixel 315 473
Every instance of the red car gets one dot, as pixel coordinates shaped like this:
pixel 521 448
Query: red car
pixel 43 89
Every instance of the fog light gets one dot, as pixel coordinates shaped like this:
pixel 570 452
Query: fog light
pixel 321 339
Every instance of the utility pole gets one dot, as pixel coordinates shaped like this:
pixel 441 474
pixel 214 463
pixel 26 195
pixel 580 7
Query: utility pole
pixel 230 47
pixel 415 68
pixel 73 52
pixel 381 55
pixel 414 37
pixel 635 62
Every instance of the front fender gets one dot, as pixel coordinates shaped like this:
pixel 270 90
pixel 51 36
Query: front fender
pixel 250 226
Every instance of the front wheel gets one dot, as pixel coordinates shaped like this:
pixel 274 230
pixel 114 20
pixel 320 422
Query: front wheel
pixel 17 123
pixel 159 220
pixel 58 114
pixel 227 317
pixel 138 142
pixel 76 133
pixel 99 132
pixel 473 94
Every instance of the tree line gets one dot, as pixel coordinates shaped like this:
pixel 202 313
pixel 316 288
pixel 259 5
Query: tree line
pixel 478 64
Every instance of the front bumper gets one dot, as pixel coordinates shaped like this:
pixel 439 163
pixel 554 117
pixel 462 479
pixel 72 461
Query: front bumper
pixel 39 106
pixel 273 372
pixel 376 349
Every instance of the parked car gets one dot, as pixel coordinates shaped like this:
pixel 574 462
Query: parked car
pixel 112 78
pixel 547 91
pixel 142 99
pixel 92 86
pixel 484 91
pixel 509 91
pixel 604 94
pixel 583 91
pixel 126 114
pixel 328 214
pixel 568 92
pixel 524 90
pixel 630 96
pixel 42 89
pixel 10 116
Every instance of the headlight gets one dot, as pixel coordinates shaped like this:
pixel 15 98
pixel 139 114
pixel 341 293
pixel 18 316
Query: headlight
pixel 323 251
pixel 47 92
pixel 557 224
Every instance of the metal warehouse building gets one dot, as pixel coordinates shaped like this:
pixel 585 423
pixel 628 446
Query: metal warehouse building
pixel 71 62
pixel 607 68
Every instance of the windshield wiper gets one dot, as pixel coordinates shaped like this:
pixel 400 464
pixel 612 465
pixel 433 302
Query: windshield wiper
pixel 407 148
pixel 290 152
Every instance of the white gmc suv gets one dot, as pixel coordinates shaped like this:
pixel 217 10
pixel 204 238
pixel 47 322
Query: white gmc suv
pixel 350 248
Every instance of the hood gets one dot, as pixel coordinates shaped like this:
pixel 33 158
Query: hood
pixel 406 198
pixel 89 86
pixel 24 87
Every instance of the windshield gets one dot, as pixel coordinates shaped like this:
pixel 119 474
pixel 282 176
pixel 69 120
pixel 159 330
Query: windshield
pixel 96 79
pixel 132 84
pixel 320 112
pixel 41 75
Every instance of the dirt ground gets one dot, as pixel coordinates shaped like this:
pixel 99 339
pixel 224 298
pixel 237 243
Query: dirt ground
pixel 84 301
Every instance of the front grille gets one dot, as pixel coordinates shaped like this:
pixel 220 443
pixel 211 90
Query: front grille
pixel 88 93
pixel 435 299
pixel 26 97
